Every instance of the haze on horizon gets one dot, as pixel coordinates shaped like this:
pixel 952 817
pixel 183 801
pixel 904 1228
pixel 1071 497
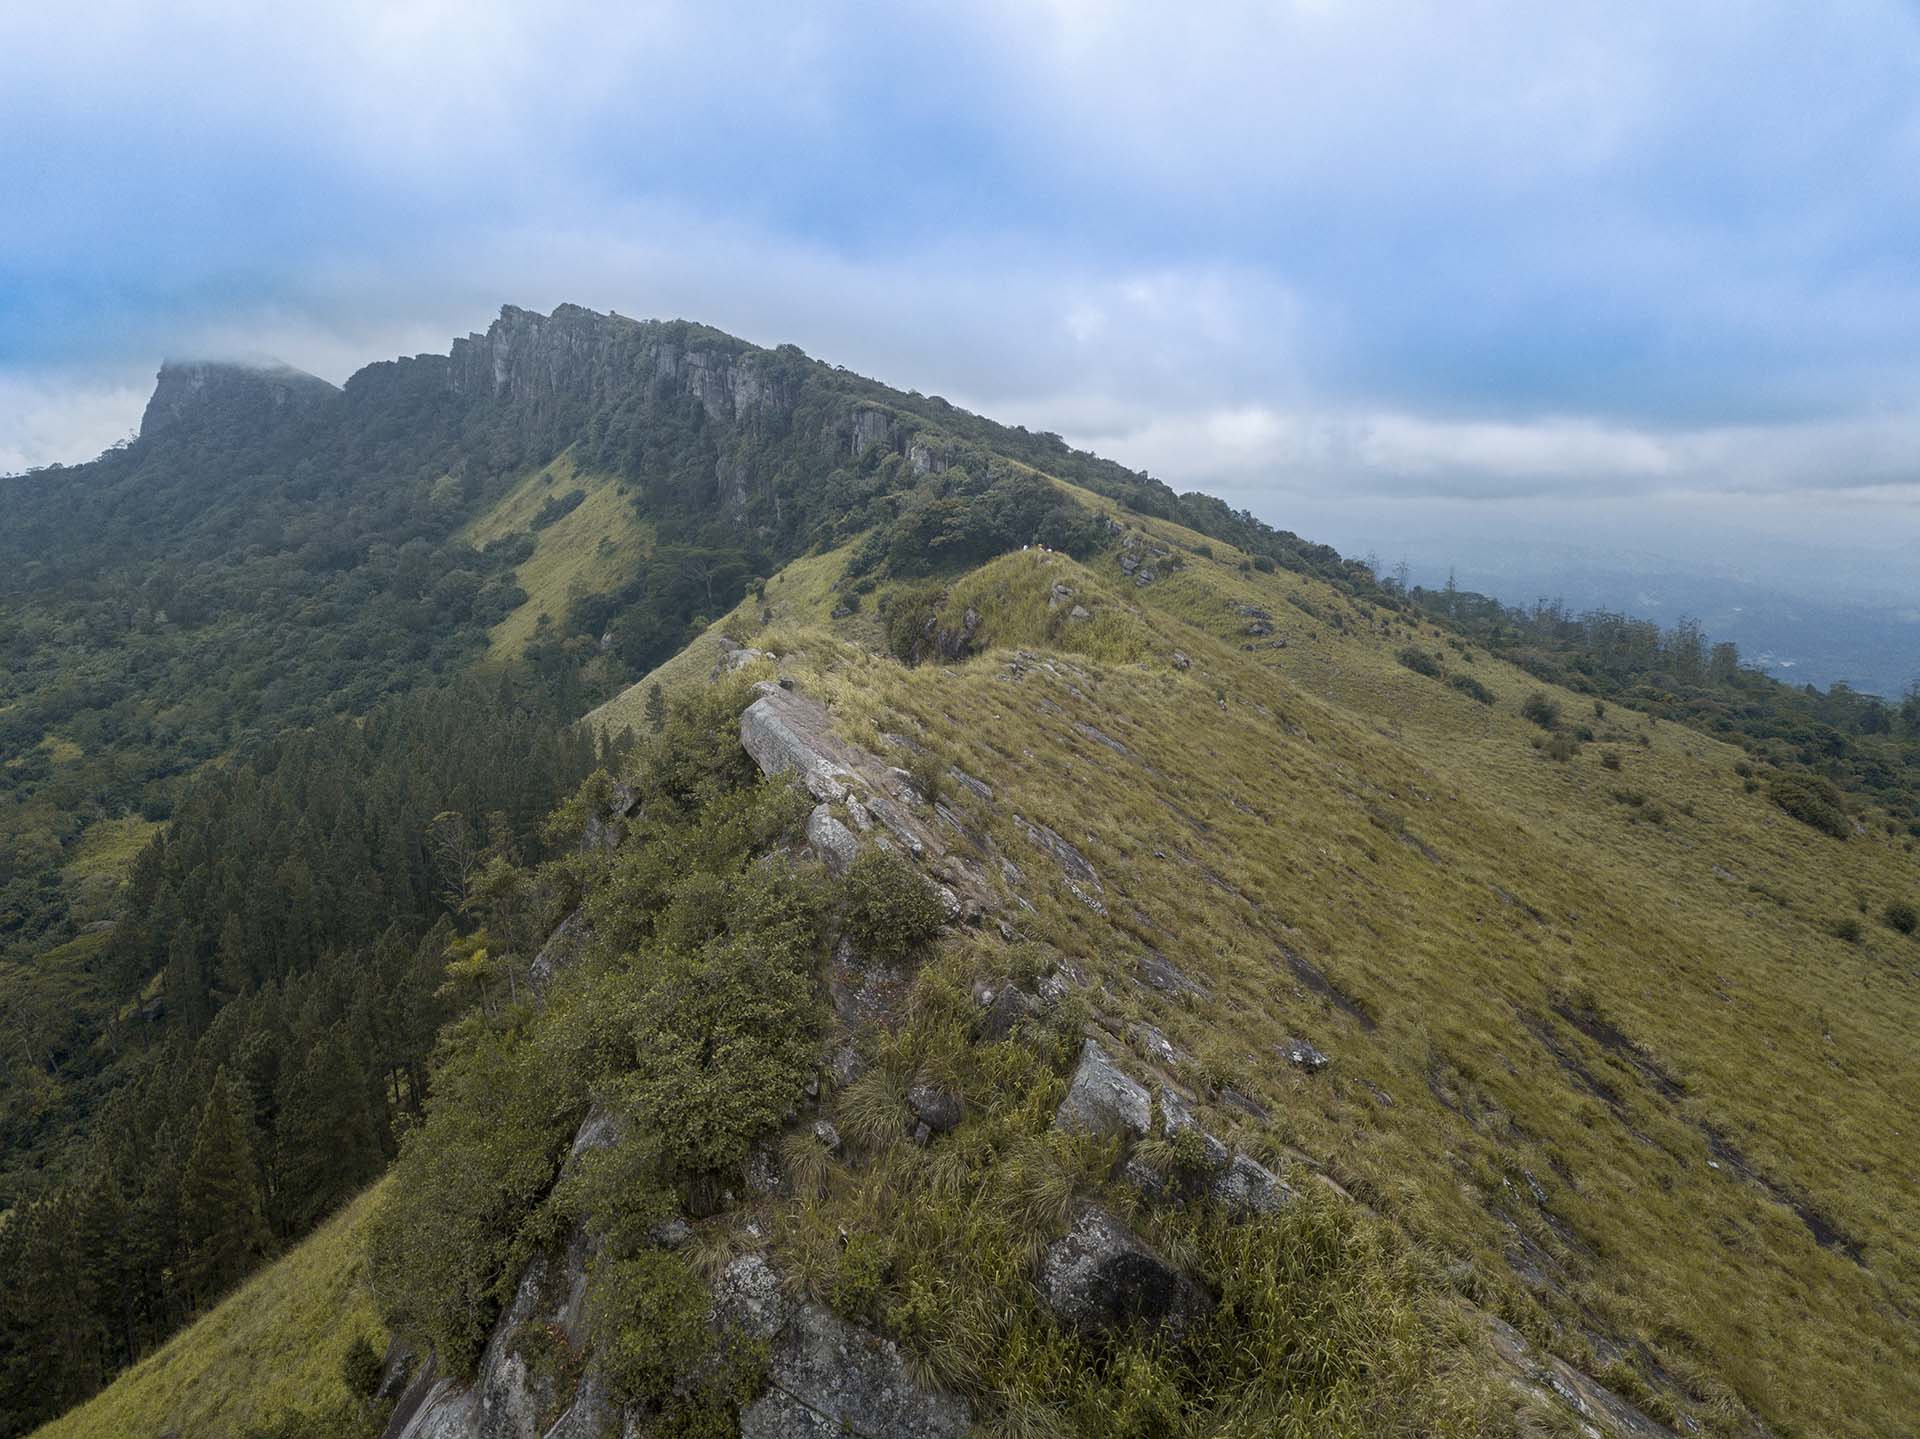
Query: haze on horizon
pixel 1490 283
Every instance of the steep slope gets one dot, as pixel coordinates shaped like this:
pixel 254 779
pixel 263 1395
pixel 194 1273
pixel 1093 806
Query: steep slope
pixel 1457 1049
pixel 277 1344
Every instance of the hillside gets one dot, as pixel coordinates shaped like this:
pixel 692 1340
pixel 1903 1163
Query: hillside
pixel 1127 976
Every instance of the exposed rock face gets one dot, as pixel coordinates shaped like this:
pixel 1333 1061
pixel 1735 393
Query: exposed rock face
pixel 836 845
pixel 1247 1189
pixel 563 946
pixel 786 733
pixel 826 1378
pixel 1100 1279
pixel 1101 1100
pixel 195 393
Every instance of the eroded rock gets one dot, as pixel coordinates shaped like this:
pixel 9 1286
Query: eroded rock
pixel 1101 1100
pixel 1100 1279
pixel 835 844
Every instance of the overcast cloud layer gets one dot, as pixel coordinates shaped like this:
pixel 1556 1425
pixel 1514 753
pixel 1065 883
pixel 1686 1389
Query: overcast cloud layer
pixel 1565 269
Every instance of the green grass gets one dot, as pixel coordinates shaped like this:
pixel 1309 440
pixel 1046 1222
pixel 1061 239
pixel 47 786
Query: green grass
pixel 1412 845
pixel 596 547
pixel 274 1345
pixel 109 847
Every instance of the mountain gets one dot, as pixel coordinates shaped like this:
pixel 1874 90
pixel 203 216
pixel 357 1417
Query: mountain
pixel 1009 945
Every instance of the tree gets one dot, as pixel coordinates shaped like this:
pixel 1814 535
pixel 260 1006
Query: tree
pixel 656 708
pixel 220 1213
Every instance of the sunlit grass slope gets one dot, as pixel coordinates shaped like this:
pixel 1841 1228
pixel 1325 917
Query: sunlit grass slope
pixel 272 1346
pixel 1593 1032
pixel 595 547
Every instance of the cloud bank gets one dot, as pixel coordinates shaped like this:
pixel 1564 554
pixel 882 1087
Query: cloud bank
pixel 1489 253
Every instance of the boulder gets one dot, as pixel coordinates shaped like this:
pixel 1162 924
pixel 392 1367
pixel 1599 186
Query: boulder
pixel 1302 1055
pixel 836 845
pixel 563 946
pixel 935 1108
pixel 828 1379
pixel 1246 1189
pixel 1100 1279
pixel 1003 1009
pixel 1180 660
pixel 784 732
pixel 1167 977
pixel 1101 1100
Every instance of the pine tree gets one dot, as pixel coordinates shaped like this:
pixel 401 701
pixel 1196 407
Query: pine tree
pixel 220 1214
pixel 656 708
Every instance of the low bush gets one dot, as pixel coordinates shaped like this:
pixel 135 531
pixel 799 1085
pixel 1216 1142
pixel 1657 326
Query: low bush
pixel 1468 685
pixel 1901 916
pixel 1812 801
pixel 1541 709
pixel 1420 662
pixel 888 910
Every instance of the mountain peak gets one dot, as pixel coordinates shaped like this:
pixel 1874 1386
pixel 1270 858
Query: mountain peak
pixel 186 390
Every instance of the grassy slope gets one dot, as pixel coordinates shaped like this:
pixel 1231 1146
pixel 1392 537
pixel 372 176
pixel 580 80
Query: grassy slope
pixel 594 547
pixel 1413 845
pixel 1416 847
pixel 274 1345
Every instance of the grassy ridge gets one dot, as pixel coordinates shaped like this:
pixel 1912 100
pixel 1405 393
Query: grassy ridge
pixel 274 1345
pixel 1619 1060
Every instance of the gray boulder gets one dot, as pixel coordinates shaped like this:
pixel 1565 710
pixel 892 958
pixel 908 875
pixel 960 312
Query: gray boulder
pixel 935 1108
pixel 1302 1055
pixel 786 733
pixel 1246 1189
pixel 1100 1279
pixel 836 845
pixel 1101 1100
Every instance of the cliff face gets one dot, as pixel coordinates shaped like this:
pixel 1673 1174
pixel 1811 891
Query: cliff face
pixel 224 394
pixel 576 358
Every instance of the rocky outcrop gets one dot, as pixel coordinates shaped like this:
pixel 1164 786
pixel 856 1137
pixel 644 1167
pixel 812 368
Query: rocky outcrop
pixel 826 1378
pixel 1103 1101
pixel 241 397
pixel 1099 1279
pixel 789 733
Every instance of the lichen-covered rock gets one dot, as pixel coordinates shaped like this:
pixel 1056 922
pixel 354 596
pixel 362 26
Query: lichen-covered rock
pixel 1100 1279
pixel 1302 1055
pixel 1101 1100
pixel 1247 1189
pixel 786 733
pixel 1003 1008
pixel 828 1379
pixel 563 946
pixel 836 845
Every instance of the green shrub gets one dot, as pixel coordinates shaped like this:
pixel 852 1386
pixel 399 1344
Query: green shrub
pixel 1848 929
pixel 1541 709
pixel 1901 916
pixel 888 909
pixel 1812 801
pixel 928 771
pixel 1420 662
pixel 1562 747
pixel 1468 685
pixel 1610 758
pixel 360 1367
pixel 1263 564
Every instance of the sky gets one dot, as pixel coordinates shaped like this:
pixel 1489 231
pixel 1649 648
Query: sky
pixel 1416 278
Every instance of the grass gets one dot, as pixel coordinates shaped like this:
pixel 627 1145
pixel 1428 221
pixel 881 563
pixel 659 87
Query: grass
pixel 1478 904
pixel 274 1345
pixel 109 847
pixel 595 547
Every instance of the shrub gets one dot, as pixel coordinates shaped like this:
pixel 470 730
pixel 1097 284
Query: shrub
pixel 360 1367
pixel 928 771
pixel 1847 929
pixel 1562 747
pixel 558 507
pixel 1901 916
pixel 1204 551
pixel 1468 685
pixel 1542 710
pixel 889 910
pixel 1263 564
pixel 1610 758
pixel 1812 801
pixel 1420 662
